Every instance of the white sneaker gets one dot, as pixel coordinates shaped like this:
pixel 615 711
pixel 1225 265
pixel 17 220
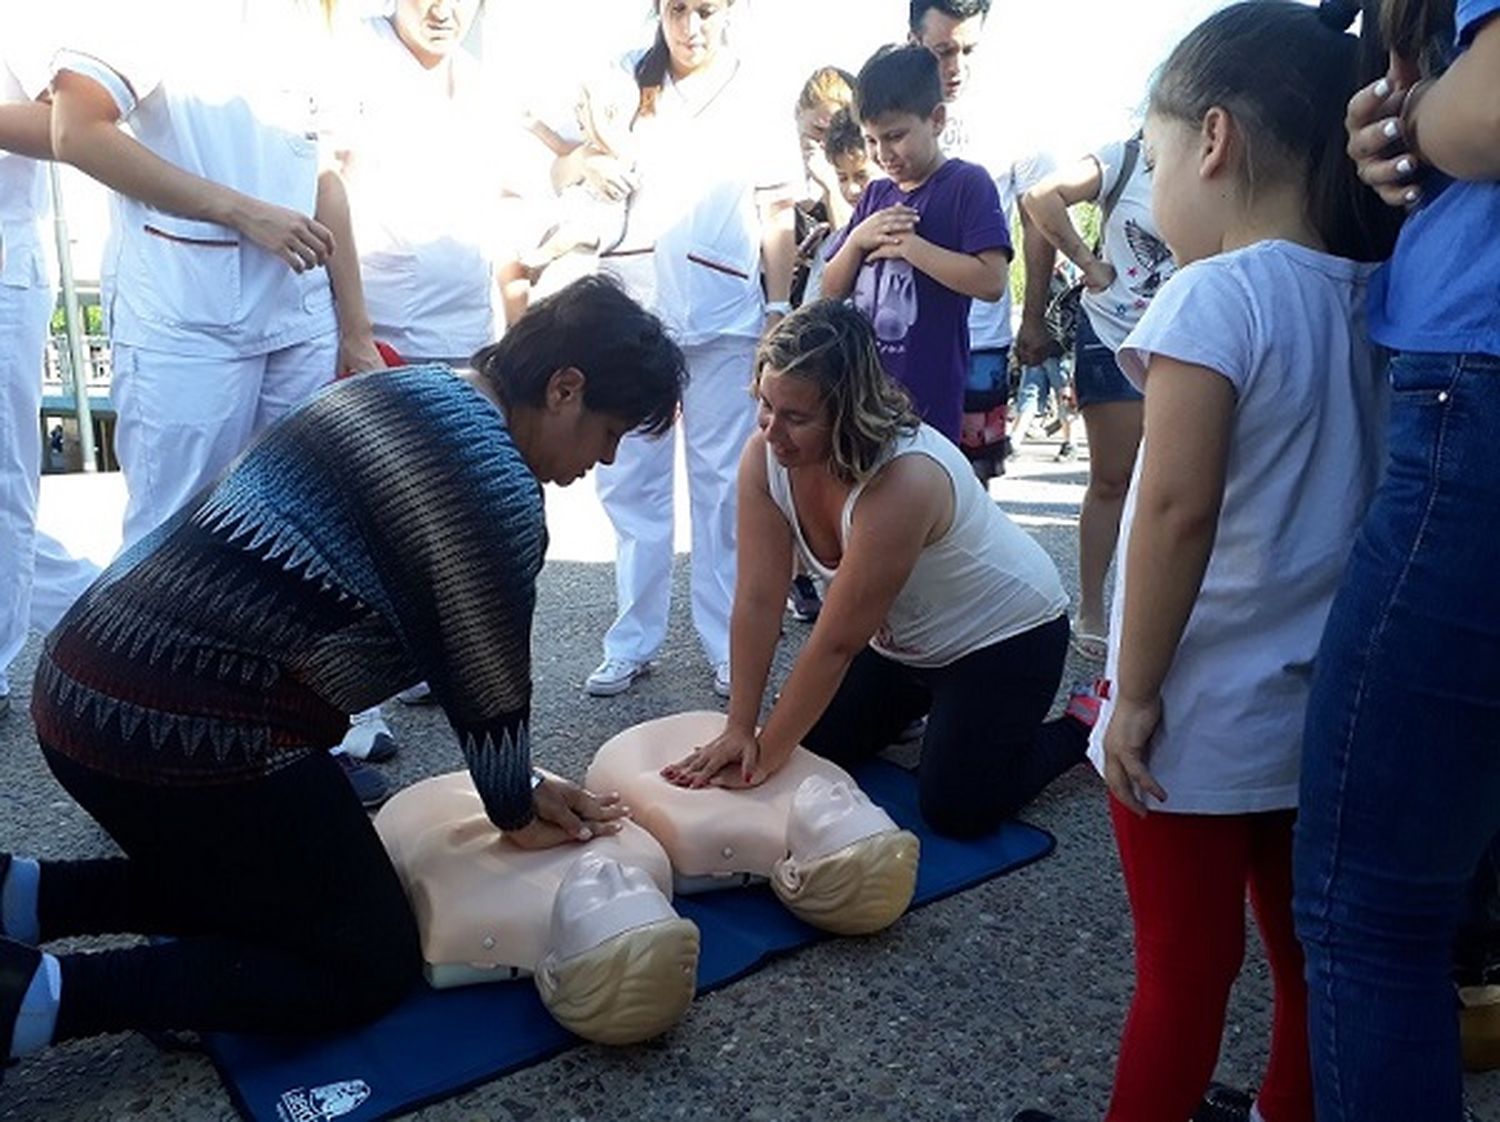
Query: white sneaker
pixel 369 737
pixel 614 676
pixel 721 679
pixel 419 694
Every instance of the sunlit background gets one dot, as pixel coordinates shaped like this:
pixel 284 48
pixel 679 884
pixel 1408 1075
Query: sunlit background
pixel 1061 75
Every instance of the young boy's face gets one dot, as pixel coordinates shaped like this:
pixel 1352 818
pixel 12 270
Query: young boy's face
pixel 906 145
pixel 855 170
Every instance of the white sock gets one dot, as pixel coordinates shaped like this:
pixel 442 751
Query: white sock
pixel 37 1019
pixel 18 918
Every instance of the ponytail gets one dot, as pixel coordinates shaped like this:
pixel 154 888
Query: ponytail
pixel 1285 73
pixel 651 73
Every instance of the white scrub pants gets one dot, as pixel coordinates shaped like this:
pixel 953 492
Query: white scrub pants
pixel 181 419
pixel 718 416
pixel 39 580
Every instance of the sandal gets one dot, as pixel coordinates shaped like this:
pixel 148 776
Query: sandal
pixel 1089 646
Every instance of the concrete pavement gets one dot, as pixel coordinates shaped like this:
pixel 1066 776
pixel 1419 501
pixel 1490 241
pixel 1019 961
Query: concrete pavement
pixel 1005 996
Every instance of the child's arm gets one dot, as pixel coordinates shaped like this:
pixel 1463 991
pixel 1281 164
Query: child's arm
pixel 883 228
pixel 1189 411
pixel 981 275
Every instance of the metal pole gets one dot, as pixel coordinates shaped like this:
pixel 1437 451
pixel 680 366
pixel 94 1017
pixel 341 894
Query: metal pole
pixel 73 320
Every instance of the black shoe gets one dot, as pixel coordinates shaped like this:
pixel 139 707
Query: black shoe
pixel 369 785
pixel 18 965
pixel 805 601
pixel 1224 1104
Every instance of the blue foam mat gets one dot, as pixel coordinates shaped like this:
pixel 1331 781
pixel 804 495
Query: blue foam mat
pixel 439 1043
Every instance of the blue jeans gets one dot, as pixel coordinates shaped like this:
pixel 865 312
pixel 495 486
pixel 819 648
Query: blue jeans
pixel 1038 382
pixel 1401 761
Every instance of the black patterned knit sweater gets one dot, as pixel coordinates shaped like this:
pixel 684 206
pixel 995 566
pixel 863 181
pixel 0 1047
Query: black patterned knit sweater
pixel 385 533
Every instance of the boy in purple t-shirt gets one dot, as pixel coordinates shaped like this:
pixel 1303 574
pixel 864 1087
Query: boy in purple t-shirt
pixel 923 243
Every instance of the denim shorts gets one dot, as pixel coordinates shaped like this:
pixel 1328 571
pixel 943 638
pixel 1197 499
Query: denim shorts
pixel 989 369
pixel 1097 377
pixel 1038 381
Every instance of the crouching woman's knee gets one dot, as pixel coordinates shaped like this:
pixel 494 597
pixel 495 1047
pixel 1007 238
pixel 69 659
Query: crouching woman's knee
pixel 373 977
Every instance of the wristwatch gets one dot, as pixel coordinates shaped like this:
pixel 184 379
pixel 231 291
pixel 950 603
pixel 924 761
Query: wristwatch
pixel 778 307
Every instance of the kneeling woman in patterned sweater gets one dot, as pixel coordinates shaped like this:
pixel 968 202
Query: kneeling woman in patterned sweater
pixel 389 531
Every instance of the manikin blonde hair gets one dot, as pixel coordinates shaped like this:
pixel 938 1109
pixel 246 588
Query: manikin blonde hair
pixel 629 988
pixel 858 890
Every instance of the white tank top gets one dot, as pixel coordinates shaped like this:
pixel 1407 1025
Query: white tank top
pixel 983 581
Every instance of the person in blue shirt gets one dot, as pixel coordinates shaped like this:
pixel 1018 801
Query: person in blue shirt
pixel 1401 761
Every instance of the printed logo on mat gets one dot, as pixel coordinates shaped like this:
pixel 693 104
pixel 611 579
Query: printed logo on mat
pixel 322 1104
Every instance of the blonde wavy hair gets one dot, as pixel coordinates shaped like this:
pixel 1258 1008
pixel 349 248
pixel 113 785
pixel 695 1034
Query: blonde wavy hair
pixel 832 345
pixel 629 988
pixel 858 890
pixel 827 85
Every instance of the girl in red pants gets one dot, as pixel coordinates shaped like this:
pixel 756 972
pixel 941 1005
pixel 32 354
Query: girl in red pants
pixel 1262 419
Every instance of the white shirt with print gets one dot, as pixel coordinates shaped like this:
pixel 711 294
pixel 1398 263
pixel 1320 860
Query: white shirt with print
pixel 1141 260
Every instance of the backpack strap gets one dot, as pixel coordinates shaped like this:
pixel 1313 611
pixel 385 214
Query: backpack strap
pixel 1127 169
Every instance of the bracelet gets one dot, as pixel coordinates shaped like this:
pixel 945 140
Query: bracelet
pixel 1407 117
pixel 537 779
pixel 778 307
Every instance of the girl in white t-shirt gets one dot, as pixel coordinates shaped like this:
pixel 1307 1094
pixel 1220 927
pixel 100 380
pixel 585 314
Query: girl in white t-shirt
pixel 1238 525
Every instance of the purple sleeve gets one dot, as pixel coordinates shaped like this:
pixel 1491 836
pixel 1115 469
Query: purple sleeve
pixel 868 203
pixel 1470 14
pixel 982 224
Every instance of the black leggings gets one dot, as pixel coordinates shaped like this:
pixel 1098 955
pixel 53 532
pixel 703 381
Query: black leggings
pixel 285 912
pixel 986 752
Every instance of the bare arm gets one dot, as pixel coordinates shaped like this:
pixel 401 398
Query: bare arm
pixel 881 231
pixel 980 275
pixel 778 245
pixel 1457 122
pixel 1047 205
pixel 1033 343
pixel 898 514
pixel 85 134
pixel 1189 413
pixel 26 129
pixel 763 574
pixel 357 351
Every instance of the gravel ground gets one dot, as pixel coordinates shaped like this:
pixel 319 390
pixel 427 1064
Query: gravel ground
pixel 1008 995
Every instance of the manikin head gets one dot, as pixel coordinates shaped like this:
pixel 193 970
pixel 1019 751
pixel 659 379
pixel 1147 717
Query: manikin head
pixel 849 870
pixel 623 965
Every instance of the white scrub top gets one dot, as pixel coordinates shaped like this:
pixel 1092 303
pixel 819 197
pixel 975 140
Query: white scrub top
pixel 228 92
pixel 24 197
pixel 701 158
pixel 425 155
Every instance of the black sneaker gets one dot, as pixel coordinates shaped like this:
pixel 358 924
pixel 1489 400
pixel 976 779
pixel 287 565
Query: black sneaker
pixel 369 785
pixel 1224 1104
pixel 804 599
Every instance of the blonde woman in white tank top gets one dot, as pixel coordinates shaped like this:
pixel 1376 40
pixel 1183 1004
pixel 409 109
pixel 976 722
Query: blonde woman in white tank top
pixel 937 603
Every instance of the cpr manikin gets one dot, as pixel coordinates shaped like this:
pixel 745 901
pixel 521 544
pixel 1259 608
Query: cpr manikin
pixel 593 925
pixel 834 859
